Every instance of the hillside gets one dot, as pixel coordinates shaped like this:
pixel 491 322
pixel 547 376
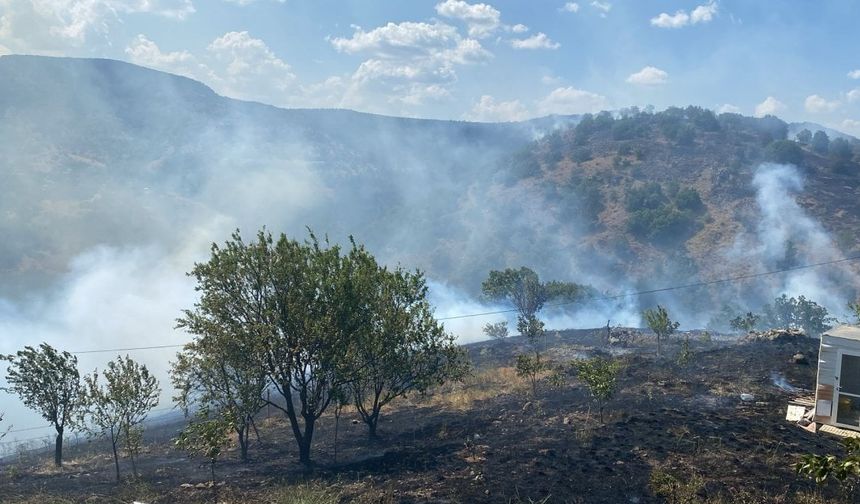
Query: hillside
pixel 98 153
pixel 675 432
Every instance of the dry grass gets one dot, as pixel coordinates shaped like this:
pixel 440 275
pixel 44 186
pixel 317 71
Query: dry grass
pixel 484 384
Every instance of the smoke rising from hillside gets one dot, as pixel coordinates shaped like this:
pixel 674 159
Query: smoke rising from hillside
pixel 109 199
pixel 787 236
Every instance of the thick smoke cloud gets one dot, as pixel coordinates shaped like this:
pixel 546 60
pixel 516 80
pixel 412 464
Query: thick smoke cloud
pixel 787 236
pixel 110 197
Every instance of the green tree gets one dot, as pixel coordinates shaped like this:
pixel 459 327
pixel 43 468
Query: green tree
pixel 497 331
pixel 119 406
pixel 855 310
pixel 306 303
pixel 48 382
pixel 804 136
pixel 798 313
pixel 403 348
pixel 523 289
pixel 658 321
pixel 820 142
pixel 205 436
pixel 600 375
pixel 221 371
pixel 785 152
pixel 529 367
pixel 841 150
pixel 745 323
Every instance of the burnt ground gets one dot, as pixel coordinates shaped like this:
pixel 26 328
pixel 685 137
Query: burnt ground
pixel 673 433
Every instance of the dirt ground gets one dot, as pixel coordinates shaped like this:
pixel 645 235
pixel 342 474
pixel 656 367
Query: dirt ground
pixel 673 433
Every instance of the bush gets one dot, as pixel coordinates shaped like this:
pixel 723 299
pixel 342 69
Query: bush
pixel 689 199
pixel 785 152
pixel 530 367
pixel 600 375
pixel 798 313
pixel 828 467
pixel 649 196
pixel 841 150
pixel 662 225
pixel 581 154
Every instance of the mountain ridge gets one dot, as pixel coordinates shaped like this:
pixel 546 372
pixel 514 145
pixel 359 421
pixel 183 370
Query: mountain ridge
pixel 105 153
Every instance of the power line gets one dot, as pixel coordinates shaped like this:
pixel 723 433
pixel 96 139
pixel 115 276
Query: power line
pixel 27 429
pixel 566 303
pixel 154 347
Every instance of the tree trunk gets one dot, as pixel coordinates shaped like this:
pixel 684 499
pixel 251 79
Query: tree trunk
pixel 58 449
pixel 115 459
pixel 305 442
pixel 243 442
pixel 659 346
pixel 305 451
pixel 372 421
pixel 133 464
pixel 336 426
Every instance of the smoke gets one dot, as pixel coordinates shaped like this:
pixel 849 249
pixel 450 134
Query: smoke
pixel 110 197
pixel 787 236
pixel 111 298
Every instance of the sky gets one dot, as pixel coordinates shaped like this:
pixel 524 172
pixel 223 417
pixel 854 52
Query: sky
pixel 497 61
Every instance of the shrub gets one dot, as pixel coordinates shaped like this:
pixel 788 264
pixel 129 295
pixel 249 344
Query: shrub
pixel 829 467
pixel 600 375
pixel 785 152
pixel 529 367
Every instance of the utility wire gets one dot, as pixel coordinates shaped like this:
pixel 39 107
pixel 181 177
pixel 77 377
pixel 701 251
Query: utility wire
pixel 126 349
pixel 566 303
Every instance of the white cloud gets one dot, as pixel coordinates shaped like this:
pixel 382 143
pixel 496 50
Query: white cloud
pixel 602 7
pixel 854 74
pixel 569 100
pixel 536 41
pixel 770 106
pixel 54 26
pixel 728 108
pixel 145 52
pixel 235 64
pixel 851 126
pixel 252 69
pixel 243 3
pixel 407 63
pixel 551 80
pixel 481 19
pixel 648 76
pixel 701 14
pixel 487 109
pixel 816 104
pixel 853 95
pixel 676 20
pixel 519 28
pixel 570 7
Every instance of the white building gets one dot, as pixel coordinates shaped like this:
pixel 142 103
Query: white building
pixel 837 393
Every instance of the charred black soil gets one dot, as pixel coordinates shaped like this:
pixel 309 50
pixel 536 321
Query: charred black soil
pixel 673 433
